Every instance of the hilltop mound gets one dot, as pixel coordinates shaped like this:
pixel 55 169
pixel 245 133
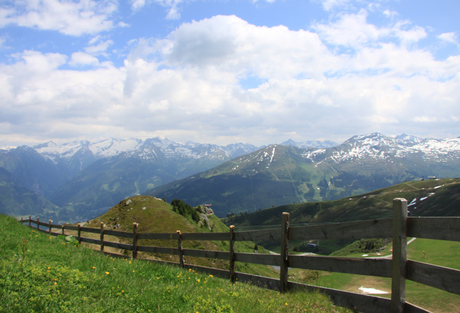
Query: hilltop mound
pixel 154 215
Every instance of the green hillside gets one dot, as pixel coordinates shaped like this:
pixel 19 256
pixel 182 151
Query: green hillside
pixel 153 215
pixel 434 197
pixel 442 199
pixel 41 273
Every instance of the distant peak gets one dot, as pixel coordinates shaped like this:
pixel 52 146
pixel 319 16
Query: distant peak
pixel 405 137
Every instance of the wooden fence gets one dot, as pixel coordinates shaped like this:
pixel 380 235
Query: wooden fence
pixel 399 268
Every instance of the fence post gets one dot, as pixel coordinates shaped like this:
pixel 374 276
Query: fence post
pixel 398 265
pixel 102 237
pixel 63 232
pixel 135 240
pixel 284 266
pixel 50 221
pixel 38 222
pixel 79 234
pixel 30 221
pixel 232 254
pixel 179 246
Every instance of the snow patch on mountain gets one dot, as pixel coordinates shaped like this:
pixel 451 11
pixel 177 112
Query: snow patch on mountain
pixel 144 149
pixel 377 146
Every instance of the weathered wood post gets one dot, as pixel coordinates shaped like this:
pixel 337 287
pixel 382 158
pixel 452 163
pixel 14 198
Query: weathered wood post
pixel 232 254
pixel 30 221
pixel 102 236
pixel 63 232
pixel 398 265
pixel 284 266
pixel 50 221
pixel 79 233
pixel 38 222
pixel 135 236
pixel 179 247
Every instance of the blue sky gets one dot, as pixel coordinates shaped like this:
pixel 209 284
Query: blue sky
pixel 223 71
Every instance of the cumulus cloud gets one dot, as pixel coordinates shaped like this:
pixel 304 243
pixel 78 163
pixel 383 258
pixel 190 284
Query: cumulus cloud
pixel 67 17
pixel 231 44
pixel 353 31
pixel 81 58
pixel 187 86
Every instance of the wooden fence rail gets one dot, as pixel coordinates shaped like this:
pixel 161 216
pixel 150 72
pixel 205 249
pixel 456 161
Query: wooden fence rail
pixel 398 268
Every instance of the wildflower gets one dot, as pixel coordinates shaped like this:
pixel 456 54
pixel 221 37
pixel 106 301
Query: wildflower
pixel 211 276
pixel 107 273
pixel 94 267
pixel 285 303
pixel 198 280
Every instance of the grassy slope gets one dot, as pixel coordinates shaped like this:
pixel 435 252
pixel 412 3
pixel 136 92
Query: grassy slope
pixel 377 204
pixel 39 273
pixel 156 216
pixel 372 205
pixel 443 199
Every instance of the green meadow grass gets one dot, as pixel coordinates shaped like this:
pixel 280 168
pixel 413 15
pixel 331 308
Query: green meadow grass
pixel 42 273
pixel 438 252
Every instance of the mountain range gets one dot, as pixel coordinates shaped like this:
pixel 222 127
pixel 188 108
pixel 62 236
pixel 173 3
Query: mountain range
pixel 82 179
pixel 278 175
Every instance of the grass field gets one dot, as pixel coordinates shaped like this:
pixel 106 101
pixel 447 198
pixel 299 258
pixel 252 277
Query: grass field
pixel 41 273
pixel 439 252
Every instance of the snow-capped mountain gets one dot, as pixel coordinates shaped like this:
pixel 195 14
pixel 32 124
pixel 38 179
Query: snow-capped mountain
pixel 378 146
pixel 148 148
pixel 86 177
pixel 277 174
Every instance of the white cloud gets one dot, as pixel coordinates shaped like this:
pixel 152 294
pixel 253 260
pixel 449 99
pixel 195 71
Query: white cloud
pixel 231 44
pixel 390 14
pixel 449 37
pixel 81 58
pixel 137 4
pixel 187 85
pixel 328 5
pixel 170 5
pixel 424 119
pixel 351 30
pixel 99 48
pixel 67 17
